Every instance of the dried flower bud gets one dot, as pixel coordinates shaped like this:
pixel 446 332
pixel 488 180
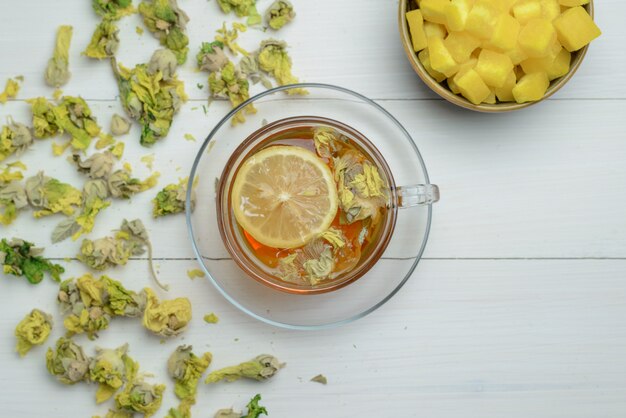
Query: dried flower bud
pixel 119 125
pixel 67 362
pixel 164 61
pixel 260 368
pixel 34 329
pixel 166 318
pixel 279 14
pixel 57 71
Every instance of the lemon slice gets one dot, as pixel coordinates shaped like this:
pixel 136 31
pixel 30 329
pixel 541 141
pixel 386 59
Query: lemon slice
pixel 284 196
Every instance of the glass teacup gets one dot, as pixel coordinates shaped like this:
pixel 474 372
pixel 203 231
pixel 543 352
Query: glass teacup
pixel 382 270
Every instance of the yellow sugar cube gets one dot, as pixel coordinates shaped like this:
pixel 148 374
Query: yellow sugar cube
pixel 440 58
pixel 537 37
pixel 434 29
pixel 531 87
pixel 526 10
pixel 481 20
pixel 434 10
pixel 573 3
pixel 456 14
pixel 461 45
pixel 505 93
pixel 491 99
pixel 575 28
pixel 493 67
pixel 517 55
pixel 550 9
pixel 416 27
pixel 505 33
pixel 472 87
pixel 560 65
pixel 425 60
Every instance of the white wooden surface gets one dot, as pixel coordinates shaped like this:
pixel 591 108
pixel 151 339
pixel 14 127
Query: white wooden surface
pixel 518 308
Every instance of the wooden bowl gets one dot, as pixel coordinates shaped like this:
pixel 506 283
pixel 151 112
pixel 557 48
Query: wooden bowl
pixel 443 91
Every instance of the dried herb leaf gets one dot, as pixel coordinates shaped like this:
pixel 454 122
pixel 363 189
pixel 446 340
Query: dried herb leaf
pixel 104 41
pixel 11 88
pixel 119 125
pixel 121 184
pixel 111 369
pixel 254 410
pixel 167 22
pixel 21 258
pixel 186 369
pixel 228 38
pixel 57 72
pixel 44 120
pixel 211 56
pixel 33 330
pixel 192 274
pixel 113 9
pixel 211 318
pixel 230 83
pixel 74 116
pixel 279 14
pixel 172 199
pixel 15 138
pixel 242 8
pixel 98 166
pixel 274 60
pixel 67 362
pixel 51 196
pixel 166 318
pixel 260 368
pixel 12 193
pixel 249 66
pixel 320 378
pixel 149 98
pixel 139 396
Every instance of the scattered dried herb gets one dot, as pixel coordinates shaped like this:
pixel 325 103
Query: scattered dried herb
pixel 123 185
pixel 260 368
pixel 192 274
pixel 166 318
pixel 320 378
pixel 15 138
pixel 113 9
pixel 167 22
pixel 279 14
pixel 119 125
pixel 51 196
pixel 228 38
pixel 186 369
pixel 211 318
pixel 150 98
pixel 230 83
pixel 274 60
pixel 12 193
pixel 33 330
pixel 21 258
pixel 242 8
pixel 111 369
pixel 67 362
pixel 58 72
pixel 140 396
pixel 172 199
pixel 104 41
pixel 11 88
pixel 254 410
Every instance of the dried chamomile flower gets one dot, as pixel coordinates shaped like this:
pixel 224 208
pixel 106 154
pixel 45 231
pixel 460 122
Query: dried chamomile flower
pixel 186 369
pixel 274 60
pixel 172 199
pixel 67 362
pixel 51 196
pixel 320 378
pixel 167 22
pixel 58 72
pixel 242 8
pixel 104 41
pixel 98 166
pixel 11 88
pixel 249 66
pixel 260 368
pixel 119 125
pixel 111 369
pixel 211 56
pixel 254 410
pixel 166 318
pixel 15 138
pixel 33 330
pixel 113 9
pixel 139 396
pixel 94 194
pixel 361 189
pixel 21 258
pixel 279 14
pixel 229 37
pixel 74 116
pixel 123 185
pixel 230 83
pixel 150 99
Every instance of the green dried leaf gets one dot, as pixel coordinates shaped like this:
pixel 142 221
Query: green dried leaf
pixel 279 14
pixel 21 258
pixel 167 22
pixel 242 8
pixel 67 362
pixel 74 116
pixel 51 196
pixel 211 318
pixel 122 185
pixel 98 166
pixel 139 396
pixel 33 330
pixel 228 38
pixel 104 41
pixel 260 368
pixel 11 88
pixel 113 9
pixel 15 138
pixel 57 72
pixel 111 369
pixel 211 56
pixel 249 66
pixel 119 125
pixel 229 83
pixel 254 410
pixel 172 199
pixel 274 60
pixel 186 369
pixel 12 193
pixel 320 378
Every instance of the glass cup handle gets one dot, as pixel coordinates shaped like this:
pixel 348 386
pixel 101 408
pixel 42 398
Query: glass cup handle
pixel 417 195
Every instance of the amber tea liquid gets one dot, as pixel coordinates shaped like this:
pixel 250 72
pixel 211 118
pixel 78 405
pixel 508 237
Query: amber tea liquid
pixel 362 225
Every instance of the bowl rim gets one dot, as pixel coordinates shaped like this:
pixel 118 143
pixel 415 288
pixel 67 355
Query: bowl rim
pixel 460 101
pixel 200 258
